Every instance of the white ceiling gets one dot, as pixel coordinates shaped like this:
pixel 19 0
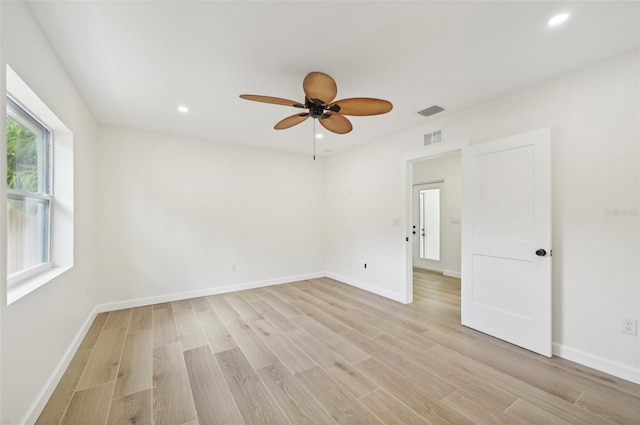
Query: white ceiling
pixel 136 61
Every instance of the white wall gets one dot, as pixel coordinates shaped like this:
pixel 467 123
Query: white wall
pixel 448 168
pixel 594 115
pixel 176 213
pixel 37 330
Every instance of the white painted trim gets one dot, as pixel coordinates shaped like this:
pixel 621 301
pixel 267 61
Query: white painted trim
pixel 177 296
pixel 395 296
pixel 36 408
pixel 619 370
pixel 451 273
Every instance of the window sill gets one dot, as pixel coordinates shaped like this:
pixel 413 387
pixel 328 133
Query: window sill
pixel 19 289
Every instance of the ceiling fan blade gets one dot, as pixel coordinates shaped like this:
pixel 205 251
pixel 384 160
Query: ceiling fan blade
pixel 269 99
pixel 291 121
pixel 361 106
pixel 319 88
pixel 336 123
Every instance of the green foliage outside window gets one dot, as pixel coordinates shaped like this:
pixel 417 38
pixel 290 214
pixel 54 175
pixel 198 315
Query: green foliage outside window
pixel 22 157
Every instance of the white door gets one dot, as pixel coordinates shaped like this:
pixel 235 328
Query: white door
pixel 506 239
pixel 427 225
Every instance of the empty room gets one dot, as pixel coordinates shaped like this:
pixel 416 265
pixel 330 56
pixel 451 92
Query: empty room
pixel 320 212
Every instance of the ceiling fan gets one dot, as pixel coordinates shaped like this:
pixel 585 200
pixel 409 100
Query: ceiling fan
pixel 320 90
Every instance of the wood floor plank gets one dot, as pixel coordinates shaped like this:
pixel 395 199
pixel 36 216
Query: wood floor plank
pixel 418 399
pixel 94 332
pixel 212 397
pixel 333 341
pixel 280 305
pixel 296 402
pixel 118 319
pixel 390 410
pixel 200 305
pixel 102 366
pixel 255 403
pixel 258 354
pixel 131 409
pixel 490 394
pixel 222 307
pixel 89 406
pixel 136 364
pixel 430 383
pixel 338 368
pixel 340 404
pixel 243 308
pixel 609 407
pixel 320 316
pixel 476 410
pixel 59 400
pixel 286 351
pixel 181 305
pixel 189 331
pixel 141 319
pixel 164 326
pixel 172 399
pixel 216 333
pixel 523 411
pixel 554 405
pixel 273 316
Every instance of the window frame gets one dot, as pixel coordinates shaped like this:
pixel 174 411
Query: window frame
pixel 16 109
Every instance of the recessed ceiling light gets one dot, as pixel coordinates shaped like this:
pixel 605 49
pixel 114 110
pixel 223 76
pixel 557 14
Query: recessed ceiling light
pixel 558 19
pixel 183 109
pixel 319 136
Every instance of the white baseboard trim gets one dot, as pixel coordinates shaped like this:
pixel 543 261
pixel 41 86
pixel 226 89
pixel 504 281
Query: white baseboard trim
pixel 395 296
pixel 619 370
pixel 140 302
pixel 451 273
pixel 41 400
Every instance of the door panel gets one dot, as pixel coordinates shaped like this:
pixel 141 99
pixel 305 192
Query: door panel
pixel 506 287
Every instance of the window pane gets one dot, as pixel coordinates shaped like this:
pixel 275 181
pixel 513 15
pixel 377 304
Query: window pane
pixel 430 224
pixel 26 156
pixel 28 234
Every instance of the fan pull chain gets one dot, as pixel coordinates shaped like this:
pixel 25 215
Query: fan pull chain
pixel 314 139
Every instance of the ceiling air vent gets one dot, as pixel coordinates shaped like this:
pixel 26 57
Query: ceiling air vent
pixel 431 138
pixel 432 110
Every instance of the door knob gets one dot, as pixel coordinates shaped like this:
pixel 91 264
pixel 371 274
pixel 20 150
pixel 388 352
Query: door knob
pixel 541 253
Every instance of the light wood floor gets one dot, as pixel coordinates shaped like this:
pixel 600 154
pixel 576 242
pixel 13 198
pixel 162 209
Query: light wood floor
pixel 321 352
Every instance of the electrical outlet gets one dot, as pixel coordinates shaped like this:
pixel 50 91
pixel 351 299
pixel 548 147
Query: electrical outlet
pixel 234 267
pixel 629 326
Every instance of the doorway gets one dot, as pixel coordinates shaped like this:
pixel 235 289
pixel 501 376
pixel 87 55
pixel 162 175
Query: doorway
pixel 435 205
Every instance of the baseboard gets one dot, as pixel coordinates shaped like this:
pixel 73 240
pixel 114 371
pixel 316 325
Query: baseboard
pixel 395 296
pixel 140 302
pixel 41 400
pixel 451 273
pixel 619 370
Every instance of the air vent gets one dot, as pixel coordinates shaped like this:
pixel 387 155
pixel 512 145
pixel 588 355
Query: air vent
pixel 431 138
pixel 432 110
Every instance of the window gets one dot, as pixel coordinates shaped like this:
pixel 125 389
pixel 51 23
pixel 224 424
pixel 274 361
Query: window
pixel 430 224
pixel 40 191
pixel 29 192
